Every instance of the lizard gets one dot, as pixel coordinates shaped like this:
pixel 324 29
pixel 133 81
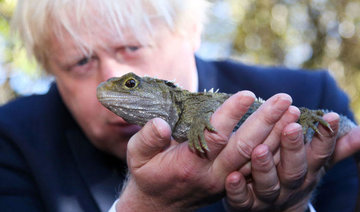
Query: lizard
pixel 187 113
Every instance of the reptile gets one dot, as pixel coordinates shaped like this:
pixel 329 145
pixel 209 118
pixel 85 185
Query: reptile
pixel 187 113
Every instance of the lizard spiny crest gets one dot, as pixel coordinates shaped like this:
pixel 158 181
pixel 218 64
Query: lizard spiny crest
pixel 137 100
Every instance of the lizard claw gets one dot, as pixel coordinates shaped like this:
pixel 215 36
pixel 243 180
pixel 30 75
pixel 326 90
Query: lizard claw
pixel 311 119
pixel 325 124
pixel 196 136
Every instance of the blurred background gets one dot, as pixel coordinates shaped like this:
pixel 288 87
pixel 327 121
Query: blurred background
pixel 311 34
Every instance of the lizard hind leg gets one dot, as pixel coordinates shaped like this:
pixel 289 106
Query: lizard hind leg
pixel 311 119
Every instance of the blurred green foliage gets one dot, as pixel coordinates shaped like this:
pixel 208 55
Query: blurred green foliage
pixel 6 92
pixel 313 34
pixel 12 56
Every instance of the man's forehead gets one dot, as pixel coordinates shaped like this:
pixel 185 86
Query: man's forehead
pixel 104 34
pixel 65 46
pixel 105 24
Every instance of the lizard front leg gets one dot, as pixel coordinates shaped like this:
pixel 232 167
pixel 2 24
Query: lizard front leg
pixel 200 122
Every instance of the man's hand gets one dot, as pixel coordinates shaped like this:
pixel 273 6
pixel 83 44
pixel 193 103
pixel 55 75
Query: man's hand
pixel 289 186
pixel 165 176
pixel 346 146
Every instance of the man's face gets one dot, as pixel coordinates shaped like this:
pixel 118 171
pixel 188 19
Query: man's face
pixel 77 76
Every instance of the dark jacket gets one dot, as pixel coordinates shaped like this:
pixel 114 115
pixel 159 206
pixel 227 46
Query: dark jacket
pixel 47 163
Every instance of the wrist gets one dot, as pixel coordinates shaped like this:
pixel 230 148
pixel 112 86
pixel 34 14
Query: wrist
pixel 299 207
pixel 133 199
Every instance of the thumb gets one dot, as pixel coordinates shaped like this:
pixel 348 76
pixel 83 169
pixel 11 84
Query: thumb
pixel 347 145
pixel 149 141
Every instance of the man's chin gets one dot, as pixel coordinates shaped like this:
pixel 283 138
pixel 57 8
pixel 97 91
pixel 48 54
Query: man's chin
pixel 117 138
pixel 113 138
pixel 116 146
pixel 127 130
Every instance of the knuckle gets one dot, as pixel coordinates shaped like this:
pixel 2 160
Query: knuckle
pixel 218 140
pixel 187 173
pixel 278 128
pixel 311 183
pixel 242 204
pixel 294 180
pixel 263 163
pixel 213 186
pixel 149 141
pixel 272 116
pixel 244 148
pixel 269 194
pixel 236 115
pixel 322 156
pixel 293 144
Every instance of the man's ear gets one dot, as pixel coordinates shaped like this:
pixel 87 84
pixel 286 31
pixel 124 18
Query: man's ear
pixel 194 33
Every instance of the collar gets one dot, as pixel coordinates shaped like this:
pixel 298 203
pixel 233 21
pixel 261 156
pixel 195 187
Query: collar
pixel 207 75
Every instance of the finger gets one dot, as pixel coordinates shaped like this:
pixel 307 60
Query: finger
pixel 225 119
pixel 266 183
pixel 246 169
pixel 276 157
pixel 273 140
pixel 322 146
pixel 149 141
pixel 347 145
pixel 230 112
pixel 292 167
pixel 252 132
pixel 238 196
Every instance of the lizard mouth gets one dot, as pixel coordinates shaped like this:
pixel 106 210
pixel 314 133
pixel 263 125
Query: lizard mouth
pixel 103 94
pixel 105 97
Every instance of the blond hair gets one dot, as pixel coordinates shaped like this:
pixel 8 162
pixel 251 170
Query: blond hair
pixel 36 22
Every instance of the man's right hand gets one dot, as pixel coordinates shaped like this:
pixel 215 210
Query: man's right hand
pixel 298 172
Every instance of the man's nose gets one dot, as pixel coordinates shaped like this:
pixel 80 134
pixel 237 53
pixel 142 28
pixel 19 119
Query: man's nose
pixel 109 68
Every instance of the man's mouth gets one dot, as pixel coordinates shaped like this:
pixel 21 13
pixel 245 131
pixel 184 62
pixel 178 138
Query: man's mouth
pixel 122 126
pixel 118 121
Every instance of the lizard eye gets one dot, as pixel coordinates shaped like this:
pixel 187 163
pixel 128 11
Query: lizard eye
pixel 130 83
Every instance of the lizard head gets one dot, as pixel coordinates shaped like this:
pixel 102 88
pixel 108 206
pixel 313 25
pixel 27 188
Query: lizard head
pixel 137 99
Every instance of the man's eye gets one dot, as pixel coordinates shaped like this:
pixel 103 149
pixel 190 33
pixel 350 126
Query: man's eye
pixel 129 52
pixel 130 49
pixel 83 61
pixel 83 67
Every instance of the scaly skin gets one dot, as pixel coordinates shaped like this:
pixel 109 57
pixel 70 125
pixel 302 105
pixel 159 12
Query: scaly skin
pixel 137 100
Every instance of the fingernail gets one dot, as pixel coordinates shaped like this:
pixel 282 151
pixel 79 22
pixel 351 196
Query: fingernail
pixel 262 153
pixel 294 110
pixel 284 97
pixel 245 95
pixel 235 182
pixel 294 136
pixel 282 102
pixel 292 131
pixel 158 126
pixel 248 93
pixel 332 117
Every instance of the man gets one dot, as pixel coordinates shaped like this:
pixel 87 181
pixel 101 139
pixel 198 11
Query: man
pixel 64 152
